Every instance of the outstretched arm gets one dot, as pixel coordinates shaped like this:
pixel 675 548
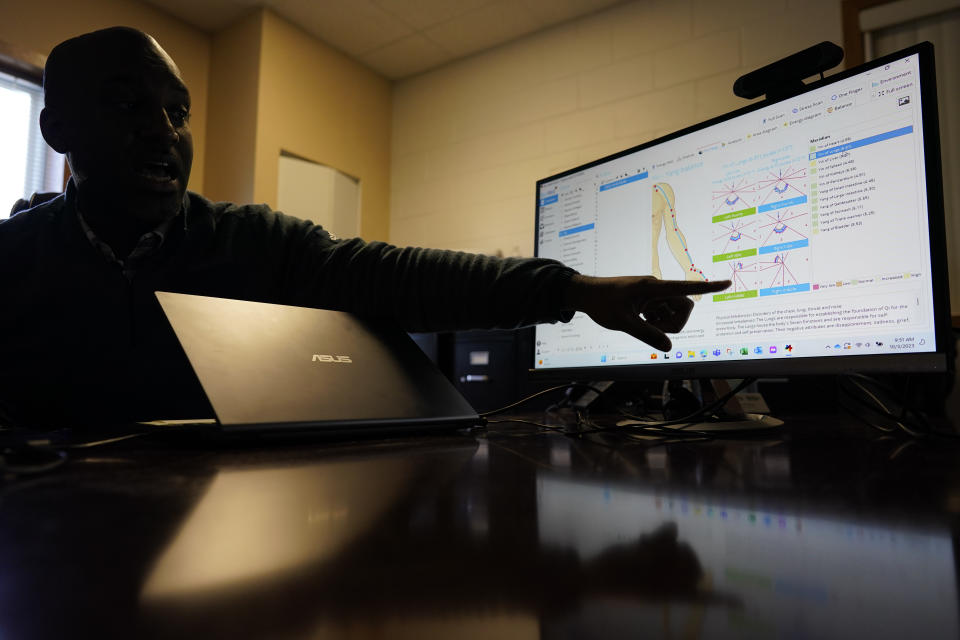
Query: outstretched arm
pixel 643 306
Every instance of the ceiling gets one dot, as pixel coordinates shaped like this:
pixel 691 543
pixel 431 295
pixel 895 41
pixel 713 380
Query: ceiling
pixel 397 38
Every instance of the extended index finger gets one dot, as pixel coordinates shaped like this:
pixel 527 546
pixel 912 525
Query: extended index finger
pixel 689 287
pixel 646 332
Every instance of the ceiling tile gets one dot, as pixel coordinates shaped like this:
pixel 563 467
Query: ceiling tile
pixel 551 12
pixel 397 35
pixel 405 57
pixel 353 26
pixel 422 14
pixel 482 28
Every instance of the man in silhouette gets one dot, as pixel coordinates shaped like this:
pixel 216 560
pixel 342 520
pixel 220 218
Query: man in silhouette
pixel 82 337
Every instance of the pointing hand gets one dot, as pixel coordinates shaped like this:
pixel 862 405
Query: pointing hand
pixel 643 306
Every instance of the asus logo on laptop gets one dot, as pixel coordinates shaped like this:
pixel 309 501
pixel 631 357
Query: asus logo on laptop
pixel 326 358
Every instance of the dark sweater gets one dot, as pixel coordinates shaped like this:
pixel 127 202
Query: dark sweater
pixel 80 343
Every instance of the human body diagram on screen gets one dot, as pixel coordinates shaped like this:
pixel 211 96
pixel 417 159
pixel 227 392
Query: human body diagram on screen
pixel 664 217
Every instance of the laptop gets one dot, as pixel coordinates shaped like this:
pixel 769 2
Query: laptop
pixel 276 368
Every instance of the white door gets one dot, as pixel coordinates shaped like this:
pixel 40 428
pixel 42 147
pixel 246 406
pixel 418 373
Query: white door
pixel 319 193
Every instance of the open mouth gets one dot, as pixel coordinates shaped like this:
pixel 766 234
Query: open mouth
pixel 156 172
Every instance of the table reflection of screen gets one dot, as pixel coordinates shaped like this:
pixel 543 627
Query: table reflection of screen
pixel 798 575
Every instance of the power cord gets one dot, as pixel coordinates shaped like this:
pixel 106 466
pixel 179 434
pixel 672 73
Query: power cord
pixel 909 419
pixel 30 460
pixel 30 453
pixel 661 428
pixel 538 394
pixel 698 415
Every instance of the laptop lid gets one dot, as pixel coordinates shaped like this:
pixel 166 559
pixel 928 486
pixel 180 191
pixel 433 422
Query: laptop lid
pixel 275 366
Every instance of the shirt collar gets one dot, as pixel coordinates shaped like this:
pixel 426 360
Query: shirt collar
pixel 148 244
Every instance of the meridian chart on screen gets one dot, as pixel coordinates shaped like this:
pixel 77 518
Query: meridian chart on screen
pixel 815 208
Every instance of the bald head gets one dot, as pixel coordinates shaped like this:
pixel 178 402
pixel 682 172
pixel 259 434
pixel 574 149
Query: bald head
pixel 71 62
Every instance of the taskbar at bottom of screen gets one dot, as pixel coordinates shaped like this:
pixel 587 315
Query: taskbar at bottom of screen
pixel 753 349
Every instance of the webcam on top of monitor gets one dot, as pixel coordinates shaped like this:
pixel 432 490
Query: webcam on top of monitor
pixel 785 77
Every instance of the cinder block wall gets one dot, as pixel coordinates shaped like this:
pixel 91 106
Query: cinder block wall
pixel 470 139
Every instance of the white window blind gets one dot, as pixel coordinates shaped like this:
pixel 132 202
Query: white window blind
pixel 27 164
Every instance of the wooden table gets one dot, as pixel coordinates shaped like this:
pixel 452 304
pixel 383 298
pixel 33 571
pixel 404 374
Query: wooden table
pixel 822 529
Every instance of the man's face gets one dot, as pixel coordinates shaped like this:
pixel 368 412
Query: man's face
pixel 129 142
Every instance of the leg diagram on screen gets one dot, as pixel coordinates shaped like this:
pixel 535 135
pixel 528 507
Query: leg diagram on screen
pixel 665 216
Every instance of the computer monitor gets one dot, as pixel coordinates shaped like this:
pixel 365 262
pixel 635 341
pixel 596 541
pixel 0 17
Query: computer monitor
pixel 825 209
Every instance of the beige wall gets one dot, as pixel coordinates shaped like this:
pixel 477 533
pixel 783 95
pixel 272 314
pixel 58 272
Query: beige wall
pixel 320 105
pixel 471 139
pixel 234 93
pixel 36 26
pixel 276 88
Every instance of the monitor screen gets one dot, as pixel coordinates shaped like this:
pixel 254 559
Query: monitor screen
pixel 824 209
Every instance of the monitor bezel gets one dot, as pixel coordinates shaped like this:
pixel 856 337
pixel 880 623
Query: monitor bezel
pixel 929 362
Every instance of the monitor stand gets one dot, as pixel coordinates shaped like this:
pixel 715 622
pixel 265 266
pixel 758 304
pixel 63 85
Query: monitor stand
pixel 735 417
pixel 743 422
